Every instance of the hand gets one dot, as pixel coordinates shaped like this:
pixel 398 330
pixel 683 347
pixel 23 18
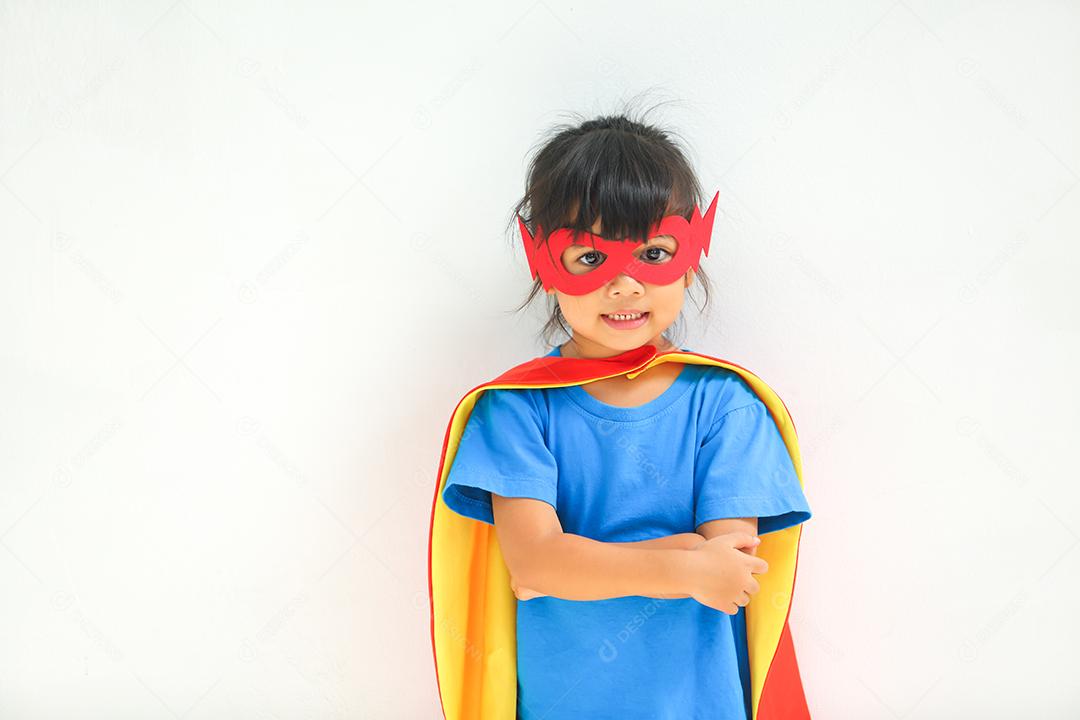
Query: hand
pixel 723 576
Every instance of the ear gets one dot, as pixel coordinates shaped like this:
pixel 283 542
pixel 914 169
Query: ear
pixel 689 279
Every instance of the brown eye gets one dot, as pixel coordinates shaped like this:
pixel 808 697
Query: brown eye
pixel 579 264
pixel 660 250
pixel 661 255
pixel 591 256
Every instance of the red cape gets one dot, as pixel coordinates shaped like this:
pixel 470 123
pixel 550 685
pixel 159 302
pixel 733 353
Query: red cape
pixel 473 609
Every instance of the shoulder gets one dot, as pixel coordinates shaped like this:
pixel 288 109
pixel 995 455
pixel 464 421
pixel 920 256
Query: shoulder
pixel 725 388
pixel 724 398
pixel 510 405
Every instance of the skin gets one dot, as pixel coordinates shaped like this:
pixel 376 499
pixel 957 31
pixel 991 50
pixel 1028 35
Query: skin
pixel 593 338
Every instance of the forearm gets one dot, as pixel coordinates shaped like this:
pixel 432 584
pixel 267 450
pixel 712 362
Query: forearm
pixel 679 541
pixel 711 529
pixel 574 567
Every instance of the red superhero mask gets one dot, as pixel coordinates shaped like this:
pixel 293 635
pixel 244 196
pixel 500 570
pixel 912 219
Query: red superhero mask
pixel 545 253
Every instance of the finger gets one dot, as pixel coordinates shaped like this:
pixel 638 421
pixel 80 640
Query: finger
pixel 741 540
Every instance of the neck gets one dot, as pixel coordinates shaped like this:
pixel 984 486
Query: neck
pixel 581 347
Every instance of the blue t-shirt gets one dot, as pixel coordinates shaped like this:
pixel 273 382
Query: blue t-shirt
pixel 704 449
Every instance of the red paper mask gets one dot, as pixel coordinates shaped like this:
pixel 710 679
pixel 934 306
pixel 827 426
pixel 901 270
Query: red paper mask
pixel 545 253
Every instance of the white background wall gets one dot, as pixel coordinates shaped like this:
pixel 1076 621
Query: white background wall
pixel 253 255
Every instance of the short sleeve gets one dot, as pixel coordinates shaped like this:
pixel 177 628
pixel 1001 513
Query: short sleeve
pixel 502 451
pixel 743 469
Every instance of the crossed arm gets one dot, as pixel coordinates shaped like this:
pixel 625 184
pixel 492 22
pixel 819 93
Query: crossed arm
pixel 544 560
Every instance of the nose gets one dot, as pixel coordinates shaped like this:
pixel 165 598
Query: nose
pixel 624 284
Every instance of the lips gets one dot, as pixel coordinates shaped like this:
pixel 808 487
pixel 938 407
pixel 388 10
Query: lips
pixel 626 324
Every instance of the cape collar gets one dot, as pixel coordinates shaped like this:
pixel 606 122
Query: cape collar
pixel 560 370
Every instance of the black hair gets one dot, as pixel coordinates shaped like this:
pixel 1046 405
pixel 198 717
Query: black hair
pixel 618 168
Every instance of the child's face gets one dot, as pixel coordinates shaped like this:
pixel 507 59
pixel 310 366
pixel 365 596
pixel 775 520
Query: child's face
pixel 586 313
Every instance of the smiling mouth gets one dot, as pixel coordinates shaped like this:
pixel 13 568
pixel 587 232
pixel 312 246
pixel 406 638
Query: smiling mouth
pixel 626 321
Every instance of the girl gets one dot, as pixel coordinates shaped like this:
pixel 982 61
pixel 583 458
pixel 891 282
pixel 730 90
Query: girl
pixel 627 508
